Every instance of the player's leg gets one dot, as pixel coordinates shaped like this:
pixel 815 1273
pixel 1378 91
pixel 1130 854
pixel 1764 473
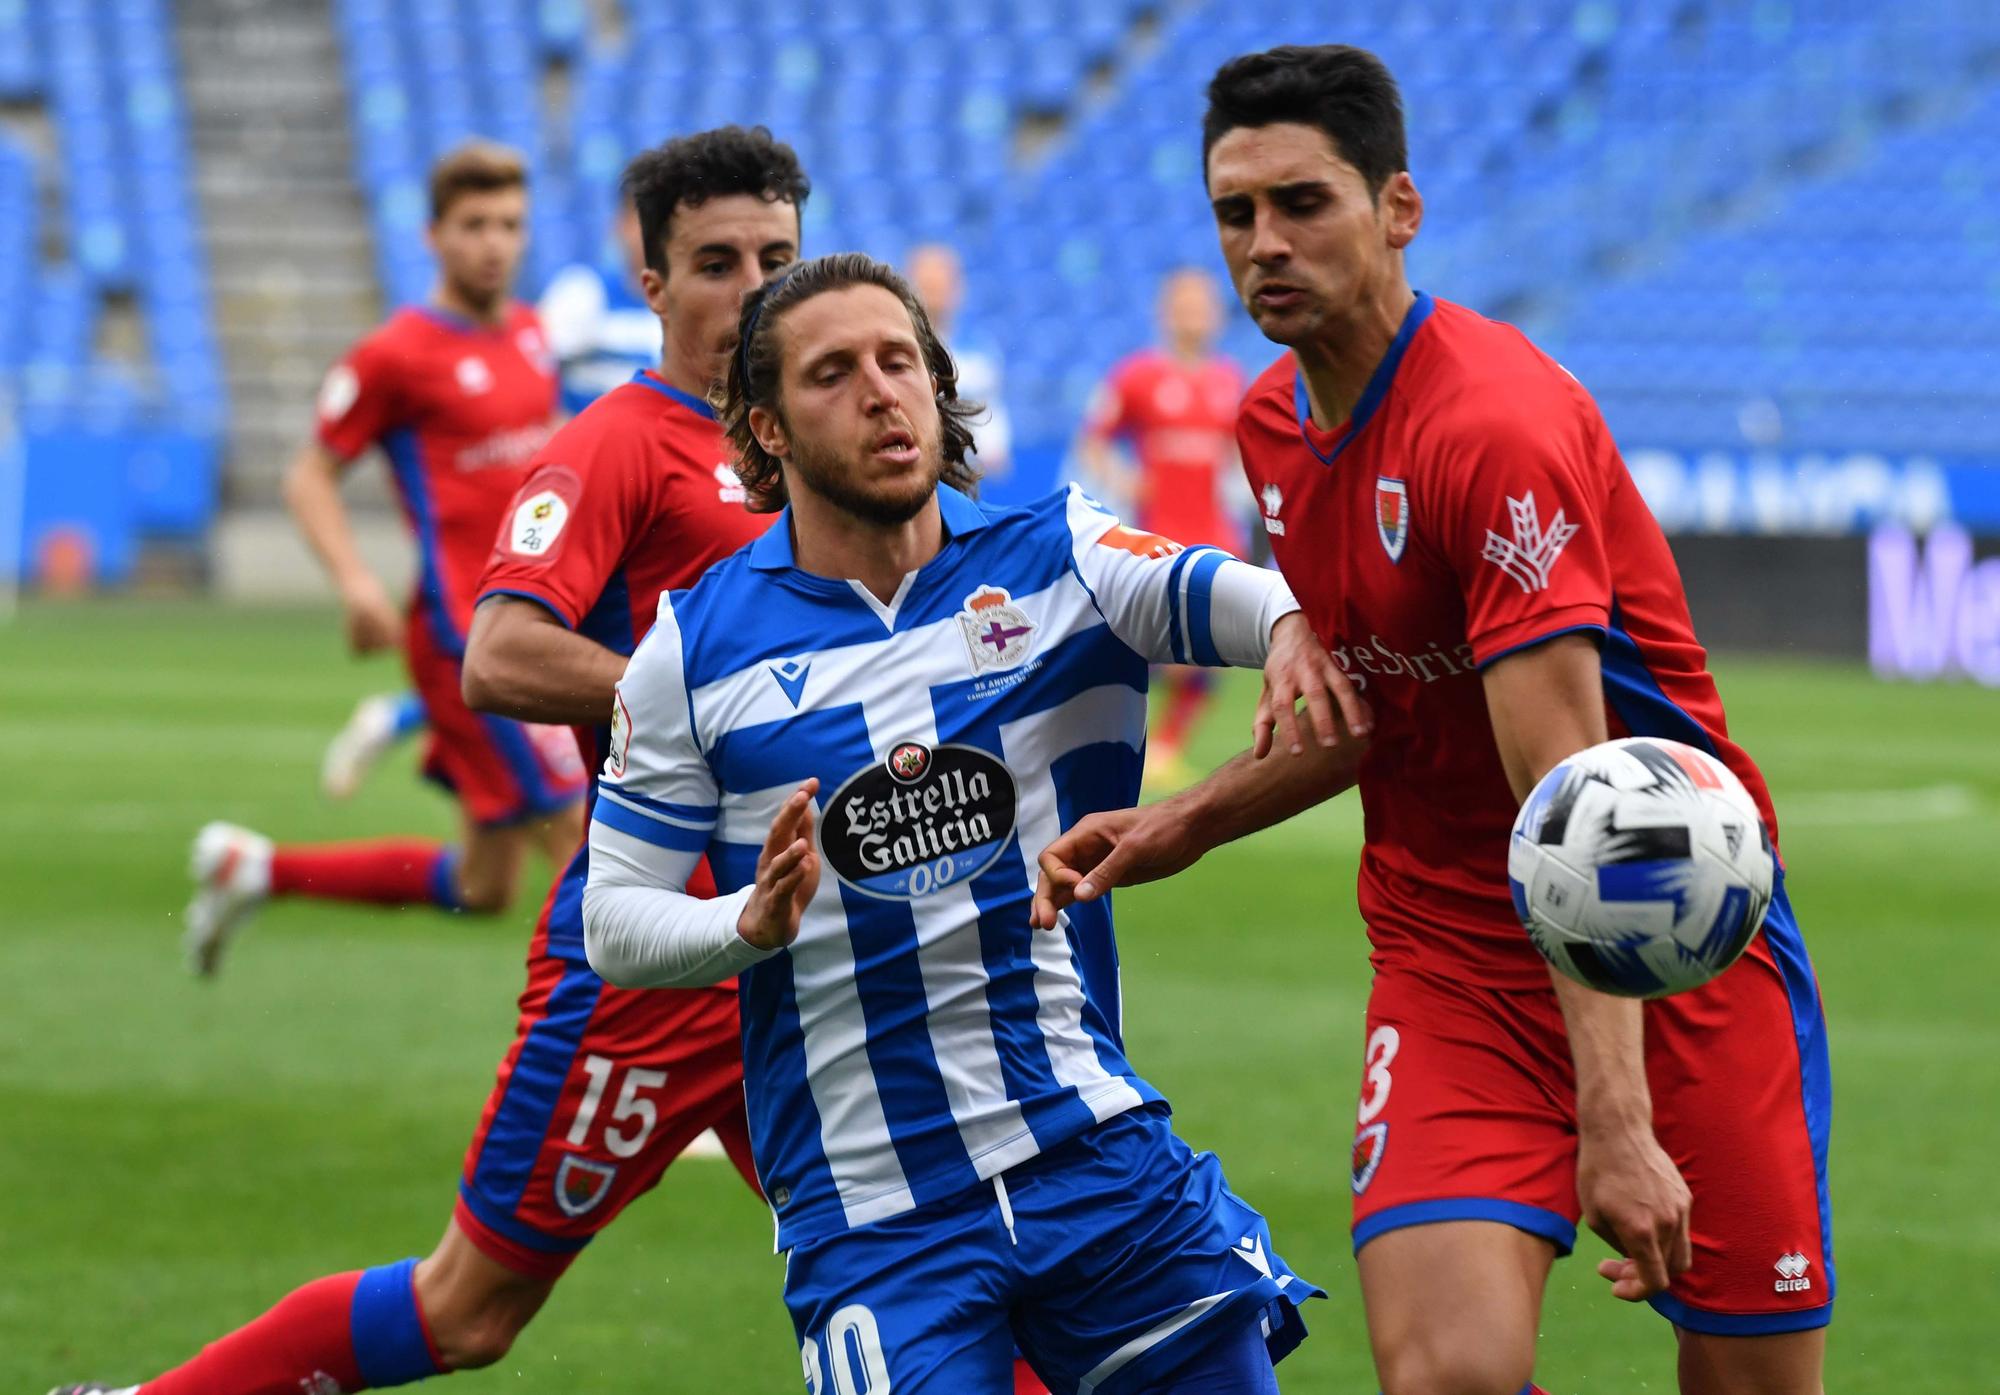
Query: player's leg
pixel 1184 693
pixel 1788 1363
pixel 490 870
pixel 1138 1260
pixel 1453 1308
pixel 378 723
pixel 1463 1173
pixel 1751 1312
pixel 558 834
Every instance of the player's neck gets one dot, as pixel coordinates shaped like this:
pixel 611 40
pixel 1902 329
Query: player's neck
pixel 1188 355
pixel 695 382
pixel 453 301
pixel 827 540
pixel 1338 362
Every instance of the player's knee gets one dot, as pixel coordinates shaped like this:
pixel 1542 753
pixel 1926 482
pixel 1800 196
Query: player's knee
pixel 1452 1367
pixel 475 1337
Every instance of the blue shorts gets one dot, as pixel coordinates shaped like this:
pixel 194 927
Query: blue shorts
pixel 1112 1260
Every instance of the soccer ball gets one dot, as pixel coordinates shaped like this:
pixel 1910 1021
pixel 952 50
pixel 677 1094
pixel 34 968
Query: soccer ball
pixel 1640 867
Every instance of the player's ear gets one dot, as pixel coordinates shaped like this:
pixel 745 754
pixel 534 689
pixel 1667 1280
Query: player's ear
pixel 653 286
pixel 769 432
pixel 1402 209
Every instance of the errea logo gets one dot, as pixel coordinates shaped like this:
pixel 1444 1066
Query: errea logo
pixel 1792 1273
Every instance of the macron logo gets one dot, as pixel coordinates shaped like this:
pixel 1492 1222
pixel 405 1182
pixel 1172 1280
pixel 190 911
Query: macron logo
pixel 1792 1273
pixel 1531 552
pixel 1250 1249
pixel 791 676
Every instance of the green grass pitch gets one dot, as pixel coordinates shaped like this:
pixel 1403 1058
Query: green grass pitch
pixel 175 1156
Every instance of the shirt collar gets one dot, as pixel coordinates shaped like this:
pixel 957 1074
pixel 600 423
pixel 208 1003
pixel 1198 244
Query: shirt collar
pixel 646 377
pixel 773 551
pixel 1371 396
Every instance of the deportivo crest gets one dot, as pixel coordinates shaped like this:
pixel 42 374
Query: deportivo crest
pixel 1368 1148
pixel 1529 555
pixel 581 1184
pixel 919 820
pixel 997 633
pixel 1392 515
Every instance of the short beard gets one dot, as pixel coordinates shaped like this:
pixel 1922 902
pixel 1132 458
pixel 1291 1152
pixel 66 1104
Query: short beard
pixel 826 475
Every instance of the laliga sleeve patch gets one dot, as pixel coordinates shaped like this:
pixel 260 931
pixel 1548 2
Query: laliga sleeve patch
pixel 538 522
pixel 338 392
pixel 621 736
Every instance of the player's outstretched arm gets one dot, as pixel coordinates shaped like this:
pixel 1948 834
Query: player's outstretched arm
pixel 521 662
pixel 1547 703
pixel 1124 847
pixel 312 493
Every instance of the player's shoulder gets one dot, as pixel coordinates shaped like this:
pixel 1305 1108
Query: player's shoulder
pixel 1269 400
pixel 1474 375
pixel 403 336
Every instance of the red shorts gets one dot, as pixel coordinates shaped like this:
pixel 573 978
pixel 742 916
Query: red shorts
pixel 501 771
pixel 602 1088
pixel 1467 1112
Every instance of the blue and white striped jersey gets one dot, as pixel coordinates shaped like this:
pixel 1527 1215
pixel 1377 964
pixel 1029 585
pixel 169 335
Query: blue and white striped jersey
pixel 919 1036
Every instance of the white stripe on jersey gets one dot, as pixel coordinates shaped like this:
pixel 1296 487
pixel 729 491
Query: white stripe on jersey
pixel 1032 745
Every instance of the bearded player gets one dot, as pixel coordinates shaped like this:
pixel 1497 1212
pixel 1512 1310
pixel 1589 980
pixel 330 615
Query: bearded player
pixel 1174 406
pixel 602 1087
pixel 1450 509
pixel 458 394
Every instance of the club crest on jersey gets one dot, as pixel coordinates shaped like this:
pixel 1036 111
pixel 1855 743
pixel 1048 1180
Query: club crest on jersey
pixel 581 1184
pixel 1392 515
pixel 919 820
pixel 1369 1145
pixel 997 634
pixel 474 377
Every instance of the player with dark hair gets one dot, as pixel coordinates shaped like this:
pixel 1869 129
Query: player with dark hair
pixel 957 1153
pixel 601 1087
pixel 1459 525
pixel 1175 407
pixel 459 394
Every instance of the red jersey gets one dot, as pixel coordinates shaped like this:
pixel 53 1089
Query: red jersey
pixel 460 409
pixel 1178 419
pixel 634 496
pixel 1473 505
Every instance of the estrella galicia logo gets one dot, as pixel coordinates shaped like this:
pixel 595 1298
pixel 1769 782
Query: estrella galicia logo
pixel 921 819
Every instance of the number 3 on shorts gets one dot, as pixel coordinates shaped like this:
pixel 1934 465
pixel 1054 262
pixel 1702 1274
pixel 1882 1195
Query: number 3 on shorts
pixel 1383 1043
pixel 852 1340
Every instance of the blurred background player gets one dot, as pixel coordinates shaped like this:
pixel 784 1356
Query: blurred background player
pixel 458 394
pixel 938 275
pixel 1174 408
pixel 602 1087
pixel 601 331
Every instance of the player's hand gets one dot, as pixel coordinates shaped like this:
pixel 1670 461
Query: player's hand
pixel 373 622
pixel 1120 848
pixel 1633 1196
pixel 1298 666
pixel 787 875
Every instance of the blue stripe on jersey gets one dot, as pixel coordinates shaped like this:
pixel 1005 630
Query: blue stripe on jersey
pixel 535 793
pixel 534 1089
pixel 565 917
pixel 1176 631
pixel 831 744
pixel 889 981
pixel 661 833
pixel 609 619
pixel 1093 658
pixel 1200 605
pixel 406 464
pixel 1635 694
pixel 1089 780
pixel 700 816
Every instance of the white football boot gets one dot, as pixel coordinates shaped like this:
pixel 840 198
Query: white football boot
pixel 356 747
pixel 231 868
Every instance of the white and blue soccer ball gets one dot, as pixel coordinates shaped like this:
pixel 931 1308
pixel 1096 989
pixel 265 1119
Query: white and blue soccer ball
pixel 1641 867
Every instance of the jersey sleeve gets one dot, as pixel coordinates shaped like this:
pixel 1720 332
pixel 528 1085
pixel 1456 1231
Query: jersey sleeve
pixel 1171 604
pixel 567 528
pixel 1522 510
pixel 360 399
pixel 655 812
